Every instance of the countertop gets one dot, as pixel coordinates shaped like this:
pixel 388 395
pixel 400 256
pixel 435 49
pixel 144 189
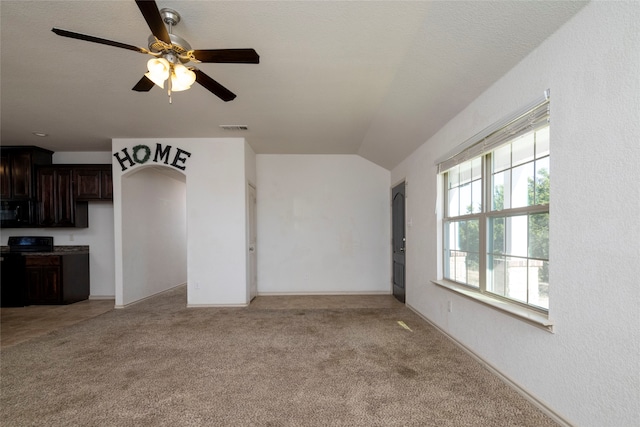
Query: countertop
pixel 57 250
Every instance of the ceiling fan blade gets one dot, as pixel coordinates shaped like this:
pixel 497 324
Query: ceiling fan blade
pixel 144 85
pixel 236 56
pixel 213 86
pixel 151 14
pixel 85 37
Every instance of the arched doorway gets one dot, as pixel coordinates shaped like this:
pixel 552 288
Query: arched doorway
pixel 215 173
pixel 154 231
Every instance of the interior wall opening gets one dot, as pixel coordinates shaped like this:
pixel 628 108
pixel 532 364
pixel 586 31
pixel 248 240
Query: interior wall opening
pixel 154 232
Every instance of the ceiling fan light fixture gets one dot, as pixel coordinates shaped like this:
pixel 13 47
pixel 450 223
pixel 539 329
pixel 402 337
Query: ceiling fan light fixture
pixel 171 52
pixel 181 78
pixel 159 69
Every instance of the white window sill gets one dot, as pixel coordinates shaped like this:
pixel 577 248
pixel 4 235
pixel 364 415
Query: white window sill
pixel 530 316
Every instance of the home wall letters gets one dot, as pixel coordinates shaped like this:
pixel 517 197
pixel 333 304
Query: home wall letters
pixel 141 154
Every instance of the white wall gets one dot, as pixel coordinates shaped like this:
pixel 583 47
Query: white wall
pixel 99 235
pixel 588 371
pixel 83 157
pixel 250 164
pixel 323 225
pixel 216 180
pixel 154 232
pixel 216 215
pixel 251 179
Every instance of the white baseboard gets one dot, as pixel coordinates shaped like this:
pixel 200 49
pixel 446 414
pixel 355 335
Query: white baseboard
pixel 506 379
pixel 217 305
pixel 150 296
pixel 102 297
pixel 304 294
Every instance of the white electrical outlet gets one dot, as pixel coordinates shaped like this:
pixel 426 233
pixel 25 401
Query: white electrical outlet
pixel 449 306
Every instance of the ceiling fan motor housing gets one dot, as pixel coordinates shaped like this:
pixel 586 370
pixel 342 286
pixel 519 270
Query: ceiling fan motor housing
pixel 175 53
pixel 179 47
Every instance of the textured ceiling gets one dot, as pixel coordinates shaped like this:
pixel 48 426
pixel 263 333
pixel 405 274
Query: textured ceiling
pixel 375 78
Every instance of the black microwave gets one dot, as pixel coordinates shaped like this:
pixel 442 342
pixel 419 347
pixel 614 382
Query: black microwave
pixel 15 213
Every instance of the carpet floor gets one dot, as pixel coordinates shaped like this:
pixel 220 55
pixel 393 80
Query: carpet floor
pixel 158 363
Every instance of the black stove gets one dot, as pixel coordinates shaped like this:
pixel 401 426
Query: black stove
pixel 13 270
pixel 30 244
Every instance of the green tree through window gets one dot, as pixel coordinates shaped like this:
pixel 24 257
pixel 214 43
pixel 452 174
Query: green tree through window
pixel 539 223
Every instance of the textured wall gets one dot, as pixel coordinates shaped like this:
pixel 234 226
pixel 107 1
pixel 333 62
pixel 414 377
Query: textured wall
pixel 588 370
pixel 323 224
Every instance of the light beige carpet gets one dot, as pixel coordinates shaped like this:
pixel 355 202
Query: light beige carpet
pixel 158 363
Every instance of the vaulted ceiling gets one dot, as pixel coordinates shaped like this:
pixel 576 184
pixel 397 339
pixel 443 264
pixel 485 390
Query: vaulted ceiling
pixel 374 78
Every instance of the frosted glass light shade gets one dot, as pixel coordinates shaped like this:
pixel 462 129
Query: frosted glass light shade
pixel 158 71
pixel 181 78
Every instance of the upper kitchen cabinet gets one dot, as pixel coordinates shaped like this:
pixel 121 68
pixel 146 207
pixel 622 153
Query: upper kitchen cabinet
pixel 93 182
pixel 17 171
pixel 37 193
pixel 57 206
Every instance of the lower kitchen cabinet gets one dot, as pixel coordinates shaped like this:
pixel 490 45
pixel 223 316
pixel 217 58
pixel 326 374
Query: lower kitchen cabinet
pixel 57 279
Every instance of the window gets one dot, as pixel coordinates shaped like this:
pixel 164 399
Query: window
pixel 496 211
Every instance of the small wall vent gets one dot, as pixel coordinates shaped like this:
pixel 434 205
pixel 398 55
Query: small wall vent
pixel 234 127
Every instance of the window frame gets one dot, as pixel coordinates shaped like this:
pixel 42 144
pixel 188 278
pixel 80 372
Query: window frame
pixel 534 313
pixel 483 217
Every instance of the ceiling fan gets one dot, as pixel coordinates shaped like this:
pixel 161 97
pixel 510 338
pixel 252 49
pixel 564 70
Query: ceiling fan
pixel 171 53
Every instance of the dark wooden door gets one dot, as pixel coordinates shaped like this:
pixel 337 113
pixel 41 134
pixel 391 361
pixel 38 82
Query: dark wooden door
pixel 398 240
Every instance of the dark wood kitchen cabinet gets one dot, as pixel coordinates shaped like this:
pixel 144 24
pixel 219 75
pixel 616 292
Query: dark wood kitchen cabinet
pixel 43 279
pixel 54 195
pixel 5 175
pixel 57 206
pixel 93 182
pixel 17 170
pixel 57 279
pixel 106 184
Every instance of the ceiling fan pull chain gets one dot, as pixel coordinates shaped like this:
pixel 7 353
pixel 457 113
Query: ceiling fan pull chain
pixel 169 85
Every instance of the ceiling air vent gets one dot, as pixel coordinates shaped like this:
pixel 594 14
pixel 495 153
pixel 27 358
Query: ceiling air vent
pixel 234 127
